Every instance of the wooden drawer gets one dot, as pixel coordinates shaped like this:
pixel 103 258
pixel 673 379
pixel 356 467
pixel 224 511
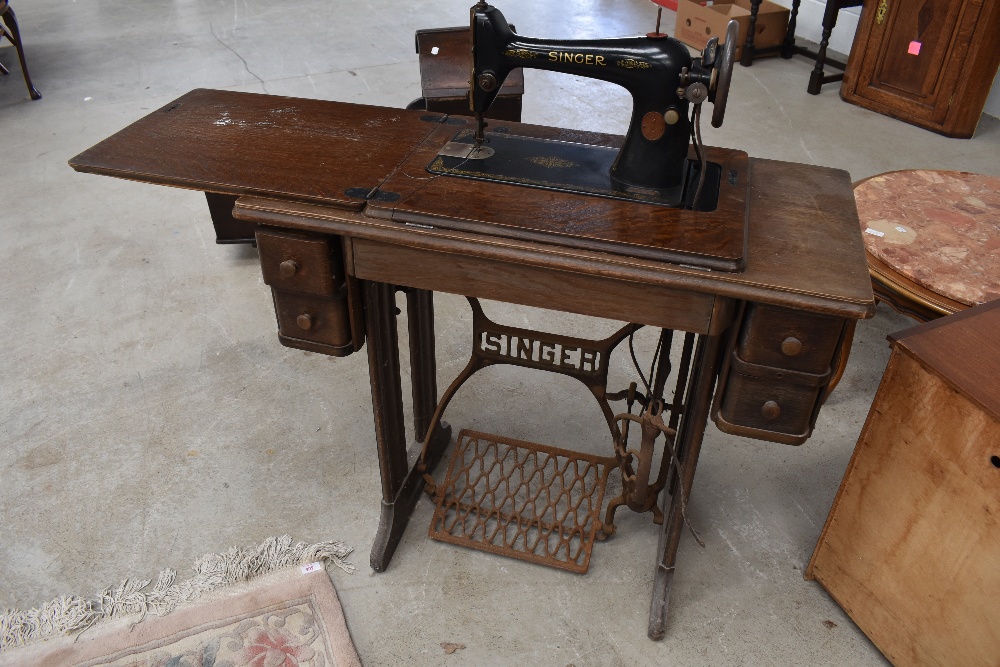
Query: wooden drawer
pixel 780 402
pixel 304 263
pixel 774 379
pixel 316 324
pixel 793 340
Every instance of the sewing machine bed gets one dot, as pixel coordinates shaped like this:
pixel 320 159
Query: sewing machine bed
pixel 375 159
pixel 706 239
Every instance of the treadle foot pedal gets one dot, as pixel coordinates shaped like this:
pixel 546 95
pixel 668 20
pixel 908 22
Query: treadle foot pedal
pixel 519 499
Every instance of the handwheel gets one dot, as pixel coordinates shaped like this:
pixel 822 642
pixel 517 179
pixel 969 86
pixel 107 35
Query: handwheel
pixel 724 68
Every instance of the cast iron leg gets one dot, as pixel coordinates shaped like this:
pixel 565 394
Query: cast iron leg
pixel 401 484
pixel 747 58
pixel 11 22
pixel 689 437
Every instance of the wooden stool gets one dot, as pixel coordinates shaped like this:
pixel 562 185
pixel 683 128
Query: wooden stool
pixel 932 239
pixel 789 48
pixel 12 33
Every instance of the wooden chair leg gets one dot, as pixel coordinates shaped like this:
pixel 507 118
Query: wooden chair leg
pixel 746 58
pixel 788 46
pixel 829 22
pixel 14 35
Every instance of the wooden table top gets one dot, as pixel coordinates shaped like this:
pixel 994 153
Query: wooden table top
pixel 322 158
pixel 241 143
pixel 940 229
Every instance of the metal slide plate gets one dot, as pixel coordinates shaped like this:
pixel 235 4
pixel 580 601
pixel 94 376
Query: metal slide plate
pixel 513 498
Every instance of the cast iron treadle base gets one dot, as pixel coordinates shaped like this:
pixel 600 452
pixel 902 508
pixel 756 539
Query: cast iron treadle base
pixel 531 502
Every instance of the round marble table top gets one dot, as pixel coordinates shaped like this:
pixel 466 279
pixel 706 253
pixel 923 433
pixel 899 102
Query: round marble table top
pixel 940 229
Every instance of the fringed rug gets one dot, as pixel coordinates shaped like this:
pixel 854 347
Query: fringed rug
pixel 273 606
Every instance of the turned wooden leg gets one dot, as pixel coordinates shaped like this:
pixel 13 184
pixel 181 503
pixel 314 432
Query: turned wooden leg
pixel 829 21
pixel 746 59
pixel 788 46
pixel 15 37
pixel 689 438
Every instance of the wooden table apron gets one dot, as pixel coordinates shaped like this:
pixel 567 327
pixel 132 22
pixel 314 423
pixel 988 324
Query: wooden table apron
pixel 297 166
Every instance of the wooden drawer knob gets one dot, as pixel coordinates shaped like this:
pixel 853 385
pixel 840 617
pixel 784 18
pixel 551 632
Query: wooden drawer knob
pixel 305 321
pixel 288 268
pixel 770 411
pixel 791 346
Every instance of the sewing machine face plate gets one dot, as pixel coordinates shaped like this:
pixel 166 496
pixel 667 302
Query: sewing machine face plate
pixel 566 167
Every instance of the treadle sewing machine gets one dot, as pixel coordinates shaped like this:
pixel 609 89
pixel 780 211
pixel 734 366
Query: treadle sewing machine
pixel 758 264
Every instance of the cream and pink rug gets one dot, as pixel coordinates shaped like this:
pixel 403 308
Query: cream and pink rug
pixel 264 608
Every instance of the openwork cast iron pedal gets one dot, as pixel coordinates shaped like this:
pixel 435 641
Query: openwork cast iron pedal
pixel 527 501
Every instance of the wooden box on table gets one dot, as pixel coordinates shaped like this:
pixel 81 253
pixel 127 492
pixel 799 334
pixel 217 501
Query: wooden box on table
pixel 911 549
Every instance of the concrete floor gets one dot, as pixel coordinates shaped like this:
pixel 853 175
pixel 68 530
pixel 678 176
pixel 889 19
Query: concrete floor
pixel 148 414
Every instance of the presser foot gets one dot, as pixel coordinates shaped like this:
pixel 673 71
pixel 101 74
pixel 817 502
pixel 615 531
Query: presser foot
pixel 480 135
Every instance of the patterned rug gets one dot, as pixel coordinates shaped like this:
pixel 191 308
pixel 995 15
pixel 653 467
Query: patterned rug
pixel 288 618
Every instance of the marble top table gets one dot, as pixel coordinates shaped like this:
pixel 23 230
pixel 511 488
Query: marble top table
pixel 933 239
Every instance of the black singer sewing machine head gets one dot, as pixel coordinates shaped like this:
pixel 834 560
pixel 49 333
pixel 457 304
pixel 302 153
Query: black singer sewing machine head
pixel 658 71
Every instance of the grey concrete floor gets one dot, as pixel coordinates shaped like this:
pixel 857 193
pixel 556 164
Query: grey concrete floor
pixel 148 414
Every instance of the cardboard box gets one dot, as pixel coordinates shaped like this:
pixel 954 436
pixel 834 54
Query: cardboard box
pixel 697 22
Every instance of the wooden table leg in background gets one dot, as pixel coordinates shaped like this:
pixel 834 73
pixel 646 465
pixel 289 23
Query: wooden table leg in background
pixel 401 484
pixel 689 437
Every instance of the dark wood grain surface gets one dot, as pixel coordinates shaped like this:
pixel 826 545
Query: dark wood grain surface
pixel 597 296
pixel 804 242
pixel 244 143
pixel 944 86
pixel 715 239
pixel 446 72
pixel 804 247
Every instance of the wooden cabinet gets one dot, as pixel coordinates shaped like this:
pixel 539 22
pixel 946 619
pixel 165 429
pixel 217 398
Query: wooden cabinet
pixel 926 62
pixel 912 545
